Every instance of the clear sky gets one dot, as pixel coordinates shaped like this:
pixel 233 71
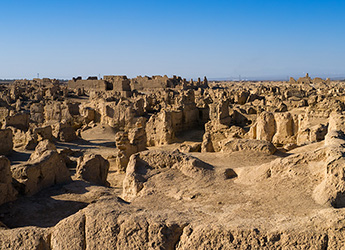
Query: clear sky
pixel 191 38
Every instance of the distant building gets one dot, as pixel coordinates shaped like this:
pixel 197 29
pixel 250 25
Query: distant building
pixel 122 83
pixel 308 80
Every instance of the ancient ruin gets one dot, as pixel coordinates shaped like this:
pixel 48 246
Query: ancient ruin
pixel 164 163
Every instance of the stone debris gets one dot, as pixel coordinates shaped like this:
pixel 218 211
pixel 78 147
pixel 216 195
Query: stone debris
pixel 44 169
pixel 93 168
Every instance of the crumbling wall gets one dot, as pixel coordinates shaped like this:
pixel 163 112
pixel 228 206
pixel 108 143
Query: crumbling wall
pixel 118 83
pixel 99 85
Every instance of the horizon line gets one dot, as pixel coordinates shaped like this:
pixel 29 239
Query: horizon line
pixel 228 78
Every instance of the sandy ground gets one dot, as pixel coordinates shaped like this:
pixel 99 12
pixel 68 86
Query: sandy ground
pixel 245 201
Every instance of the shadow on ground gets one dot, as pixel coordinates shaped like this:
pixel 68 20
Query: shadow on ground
pixel 85 144
pixel 43 209
pixel 17 157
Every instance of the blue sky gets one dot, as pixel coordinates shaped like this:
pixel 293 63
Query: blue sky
pixel 219 39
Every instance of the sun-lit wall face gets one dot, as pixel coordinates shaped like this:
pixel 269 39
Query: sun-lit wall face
pixel 220 39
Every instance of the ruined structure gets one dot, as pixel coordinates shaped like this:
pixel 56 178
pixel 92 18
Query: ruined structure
pixel 308 80
pixel 122 83
pixel 166 163
pixel 118 83
pixel 92 83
